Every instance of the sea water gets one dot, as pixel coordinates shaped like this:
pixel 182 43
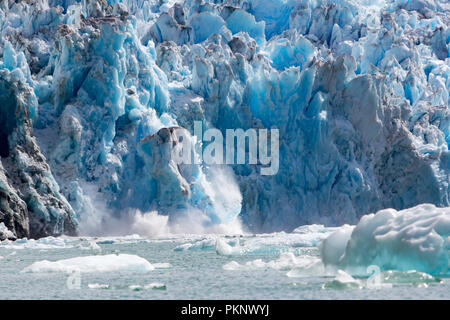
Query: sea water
pixel 264 266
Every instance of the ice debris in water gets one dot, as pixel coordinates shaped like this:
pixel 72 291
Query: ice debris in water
pixel 359 91
pixel 98 286
pixel 204 244
pixel 43 243
pixel 343 281
pixel 313 229
pixel 224 249
pixel 412 239
pixel 134 287
pixel 408 277
pixel 273 243
pixel 129 239
pixel 91 245
pixel 155 286
pixel 93 264
pixel 303 265
pixel 150 286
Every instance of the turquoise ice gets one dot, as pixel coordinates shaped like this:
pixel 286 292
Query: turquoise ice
pixel 358 89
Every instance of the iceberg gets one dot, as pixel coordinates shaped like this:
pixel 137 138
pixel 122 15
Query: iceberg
pixel 411 239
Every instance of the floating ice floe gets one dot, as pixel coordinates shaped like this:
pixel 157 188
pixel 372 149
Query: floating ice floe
pixel 92 264
pixel 412 239
pixel 204 244
pixel 271 243
pixel 302 237
pixel 133 238
pixel 43 243
pixel 299 266
pixel 91 245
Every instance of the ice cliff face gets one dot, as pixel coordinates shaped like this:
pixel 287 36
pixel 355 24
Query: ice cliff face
pixel 358 89
pixel 31 204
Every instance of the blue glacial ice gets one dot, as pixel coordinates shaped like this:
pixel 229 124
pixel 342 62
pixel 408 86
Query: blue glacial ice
pixel 412 239
pixel 358 89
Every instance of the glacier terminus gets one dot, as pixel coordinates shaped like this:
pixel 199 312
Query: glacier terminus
pixel 317 131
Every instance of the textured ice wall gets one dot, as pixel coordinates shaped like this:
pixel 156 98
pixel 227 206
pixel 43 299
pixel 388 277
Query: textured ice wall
pixel 358 89
pixel 31 203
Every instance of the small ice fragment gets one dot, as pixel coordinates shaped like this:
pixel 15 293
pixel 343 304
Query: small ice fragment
pixel 343 281
pixel 224 249
pixel 92 245
pixel 232 265
pixel 98 286
pixel 155 286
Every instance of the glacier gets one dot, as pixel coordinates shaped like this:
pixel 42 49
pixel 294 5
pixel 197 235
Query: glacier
pixel 93 93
